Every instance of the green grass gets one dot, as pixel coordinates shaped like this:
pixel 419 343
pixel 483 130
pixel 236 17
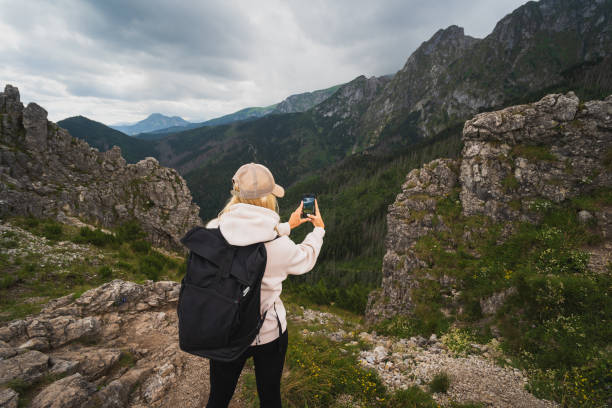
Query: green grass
pixel 25 277
pixel 533 153
pixel 510 183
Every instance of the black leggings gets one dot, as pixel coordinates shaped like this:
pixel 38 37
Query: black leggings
pixel 269 360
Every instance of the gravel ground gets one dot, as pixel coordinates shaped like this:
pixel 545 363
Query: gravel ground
pixel 59 254
pixel 406 362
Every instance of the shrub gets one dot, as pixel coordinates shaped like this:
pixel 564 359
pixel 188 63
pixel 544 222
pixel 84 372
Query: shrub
pixel 440 383
pixel 397 326
pixel 320 372
pixel 510 183
pixel 95 237
pixel 140 246
pixel 124 265
pixel 53 231
pixel 129 231
pixel 8 281
pixel 458 341
pixel 533 153
pixel 412 397
pixel 127 359
pixel 31 222
pixel 151 266
pixel 105 272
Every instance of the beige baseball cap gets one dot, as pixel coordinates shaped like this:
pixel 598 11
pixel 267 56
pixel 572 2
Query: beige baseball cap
pixel 254 180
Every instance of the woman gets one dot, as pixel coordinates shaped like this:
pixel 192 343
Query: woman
pixel 251 216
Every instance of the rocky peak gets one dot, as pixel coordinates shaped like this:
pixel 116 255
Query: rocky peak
pixel 442 48
pixel 418 81
pixel 64 178
pixel 452 37
pixel 9 99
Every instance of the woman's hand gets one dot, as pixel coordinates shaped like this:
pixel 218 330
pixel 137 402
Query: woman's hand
pixel 296 217
pixel 316 219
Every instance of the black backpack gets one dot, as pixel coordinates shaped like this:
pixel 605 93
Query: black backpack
pixel 219 301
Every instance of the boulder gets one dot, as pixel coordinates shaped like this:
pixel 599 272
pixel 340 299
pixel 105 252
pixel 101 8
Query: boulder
pixel 69 392
pixel 92 362
pixel 27 367
pixel 8 398
pixel 117 392
pixel 584 216
pixel 515 162
pixel 36 343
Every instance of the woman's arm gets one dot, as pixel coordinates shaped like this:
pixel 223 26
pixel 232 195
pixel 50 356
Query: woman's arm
pixel 304 256
pixel 301 258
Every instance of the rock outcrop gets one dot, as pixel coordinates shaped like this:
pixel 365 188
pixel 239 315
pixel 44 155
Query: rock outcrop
pixel 412 216
pixel 114 346
pixel 514 161
pixel 551 150
pixel 45 172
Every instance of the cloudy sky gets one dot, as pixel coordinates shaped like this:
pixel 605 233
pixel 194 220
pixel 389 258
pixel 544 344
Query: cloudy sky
pixel 120 60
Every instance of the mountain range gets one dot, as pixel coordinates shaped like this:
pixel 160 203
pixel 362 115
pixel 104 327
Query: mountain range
pixel 551 45
pixel 158 126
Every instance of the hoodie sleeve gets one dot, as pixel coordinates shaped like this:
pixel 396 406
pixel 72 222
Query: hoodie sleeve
pixel 303 256
pixel 283 228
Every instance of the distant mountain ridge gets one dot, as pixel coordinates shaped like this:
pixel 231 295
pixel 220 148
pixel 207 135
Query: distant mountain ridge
pixel 293 103
pixel 154 121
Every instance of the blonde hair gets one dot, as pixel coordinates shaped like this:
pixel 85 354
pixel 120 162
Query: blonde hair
pixel 268 202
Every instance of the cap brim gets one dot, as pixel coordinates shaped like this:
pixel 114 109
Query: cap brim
pixel 278 191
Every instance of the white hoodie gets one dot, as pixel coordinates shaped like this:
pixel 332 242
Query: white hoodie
pixel 246 224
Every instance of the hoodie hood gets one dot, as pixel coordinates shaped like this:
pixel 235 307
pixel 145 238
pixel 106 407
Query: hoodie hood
pixel 246 224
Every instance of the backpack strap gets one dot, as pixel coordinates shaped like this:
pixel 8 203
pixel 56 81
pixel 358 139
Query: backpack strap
pixel 276 237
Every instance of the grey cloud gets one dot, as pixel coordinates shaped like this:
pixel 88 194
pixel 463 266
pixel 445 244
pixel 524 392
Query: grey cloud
pixel 188 27
pixel 217 54
pixel 383 34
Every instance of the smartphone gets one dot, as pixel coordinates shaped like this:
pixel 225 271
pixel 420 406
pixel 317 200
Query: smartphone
pixel 309 205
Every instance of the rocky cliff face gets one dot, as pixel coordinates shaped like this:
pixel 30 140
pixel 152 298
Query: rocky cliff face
pixel 344 108
pixel 411 217
pixel 514 162
pixel 45 172
pixel 453 76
